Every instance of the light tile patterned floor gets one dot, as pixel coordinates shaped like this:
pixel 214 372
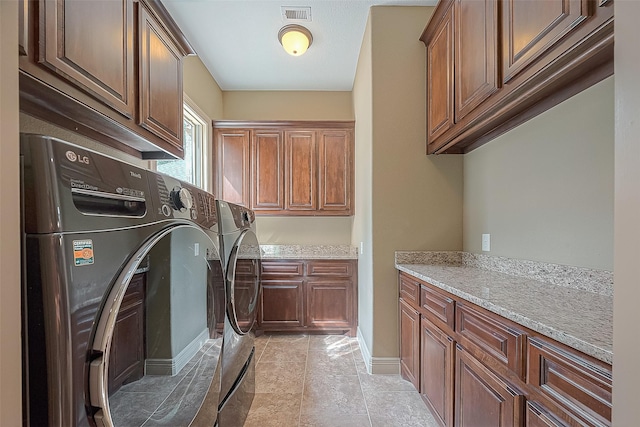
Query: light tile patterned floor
pixel 322 381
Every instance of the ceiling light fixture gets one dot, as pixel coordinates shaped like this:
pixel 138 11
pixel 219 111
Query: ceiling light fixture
pixel 295 39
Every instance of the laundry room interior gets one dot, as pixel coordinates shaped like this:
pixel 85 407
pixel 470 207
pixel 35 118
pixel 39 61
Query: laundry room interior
pixel 410 217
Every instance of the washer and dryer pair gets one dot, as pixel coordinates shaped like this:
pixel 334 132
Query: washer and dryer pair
pixel 139 293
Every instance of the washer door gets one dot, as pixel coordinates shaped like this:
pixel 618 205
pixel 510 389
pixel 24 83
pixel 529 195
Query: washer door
pixel 243 282
pixel 156 347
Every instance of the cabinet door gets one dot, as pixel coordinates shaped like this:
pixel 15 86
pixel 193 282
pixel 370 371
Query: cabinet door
pixel 126 357
pixel 231 170
pixel 160 63
pixel 436 371
pixel 482 398
pixel 267 170
pixel 329 304
pixel 529 28
pixel 300 175
pixel 410 344
pixel 476 44
pixel 90 44
pixel 334 170
pixel 281 304
pixel 440 113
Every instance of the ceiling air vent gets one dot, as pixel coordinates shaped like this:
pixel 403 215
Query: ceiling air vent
pixel 296 13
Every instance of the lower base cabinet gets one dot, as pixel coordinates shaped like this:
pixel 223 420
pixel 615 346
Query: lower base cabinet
pixel 308 296
pixel 410 343
pixel 483 399
pixel 126 358
pixel 474 368
pixel 436 373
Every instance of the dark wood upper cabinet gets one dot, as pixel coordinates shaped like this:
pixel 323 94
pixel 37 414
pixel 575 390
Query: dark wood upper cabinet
pixel 494 64
pixel 532 27
pixel 476 53
pixel 231 148
pixel 160 61
pixel 267 170
pixel 300 172
pixel 335 163
pixel 292 168
pixel 110 70
pixel 440 92
pixel 75 46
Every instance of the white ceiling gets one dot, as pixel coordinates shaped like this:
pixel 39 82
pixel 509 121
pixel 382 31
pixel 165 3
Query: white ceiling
pixel 237 41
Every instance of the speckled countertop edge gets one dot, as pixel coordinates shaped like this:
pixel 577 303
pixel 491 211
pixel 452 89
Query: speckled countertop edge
pixel 580 319
pixel 309 252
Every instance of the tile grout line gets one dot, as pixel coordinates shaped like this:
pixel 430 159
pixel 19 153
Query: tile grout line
pixel 304 379
pixel 361 388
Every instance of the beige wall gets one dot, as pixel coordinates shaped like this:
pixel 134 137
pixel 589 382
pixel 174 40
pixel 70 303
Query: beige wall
pixel 10 361
pixel 291 105
pixel 544 191
pixel 626 316
pixel 363 218
pixel 273 105
pixel 202 88
pixel 416 201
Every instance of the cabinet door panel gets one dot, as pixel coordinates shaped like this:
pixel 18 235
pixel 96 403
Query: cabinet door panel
pixel 232 165
pixel 569 379
pixel 476 44
pixel 267 154
pixel 160 81
pixel 329 304
pixel 300 185
pixel 281 304
pixel 410 344
pixel 440 114
pixel 436 371
pixel 90 43
pixel 334 181
pixel 483 398
pixel 529 28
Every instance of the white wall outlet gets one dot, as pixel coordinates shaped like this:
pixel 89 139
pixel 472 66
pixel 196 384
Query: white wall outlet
pixel 486 242
pixel 361 248
pixel 196 249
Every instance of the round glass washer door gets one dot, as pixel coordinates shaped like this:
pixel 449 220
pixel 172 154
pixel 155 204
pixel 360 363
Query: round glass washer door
pixel 156 341
pixel 243 282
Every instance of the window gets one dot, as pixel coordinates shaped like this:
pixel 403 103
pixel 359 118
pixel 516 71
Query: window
pixel 196 128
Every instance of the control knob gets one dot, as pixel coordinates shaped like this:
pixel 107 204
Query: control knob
pixel 181 198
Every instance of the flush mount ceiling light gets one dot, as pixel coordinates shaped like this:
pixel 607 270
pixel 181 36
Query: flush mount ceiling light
pixel 295 39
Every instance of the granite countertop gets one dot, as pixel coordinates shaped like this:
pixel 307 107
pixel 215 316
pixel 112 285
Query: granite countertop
pixel 309 252
pixel 579 318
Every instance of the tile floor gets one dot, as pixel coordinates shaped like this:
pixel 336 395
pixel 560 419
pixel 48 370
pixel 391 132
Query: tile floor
pixel 321 380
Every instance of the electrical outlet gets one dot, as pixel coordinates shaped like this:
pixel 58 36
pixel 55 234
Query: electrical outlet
pixel 361 248
pixel 486 242
pixel 196 249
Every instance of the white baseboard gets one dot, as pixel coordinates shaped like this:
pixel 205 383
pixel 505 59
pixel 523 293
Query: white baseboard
pixel 174 366
pixel 378 365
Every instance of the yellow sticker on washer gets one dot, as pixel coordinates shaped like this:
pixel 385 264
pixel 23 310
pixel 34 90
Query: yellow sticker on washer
pixel 82 252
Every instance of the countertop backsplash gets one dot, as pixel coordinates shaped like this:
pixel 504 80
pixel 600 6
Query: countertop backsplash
pixel 309 252
pixel 596 281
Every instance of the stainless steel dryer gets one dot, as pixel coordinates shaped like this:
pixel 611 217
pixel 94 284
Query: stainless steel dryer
pixel 121 270
pixel 242 262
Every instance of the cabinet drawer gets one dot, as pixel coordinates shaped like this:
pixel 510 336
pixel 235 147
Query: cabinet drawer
pixel 568 378
pixel 492 335
pixel 330 268
pixel 410 289
pixel 288 268
pixel 439 308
